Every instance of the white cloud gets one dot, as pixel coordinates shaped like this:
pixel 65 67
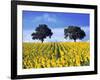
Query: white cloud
pixel 45 17
pixel 27 35
pixel 88 41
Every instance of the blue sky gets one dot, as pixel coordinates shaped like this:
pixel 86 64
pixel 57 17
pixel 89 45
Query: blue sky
pixel 56 21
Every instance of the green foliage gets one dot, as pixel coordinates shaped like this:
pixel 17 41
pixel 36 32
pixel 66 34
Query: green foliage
pixel 74 32
pixel 42 31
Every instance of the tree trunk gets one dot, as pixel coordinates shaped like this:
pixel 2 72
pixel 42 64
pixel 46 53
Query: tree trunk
pixel 74 40
pixel 42 40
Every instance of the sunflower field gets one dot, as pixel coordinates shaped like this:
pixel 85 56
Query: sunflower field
pixel 55 54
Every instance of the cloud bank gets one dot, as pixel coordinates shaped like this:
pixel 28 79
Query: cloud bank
pixel 58 36
pixel 45 17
